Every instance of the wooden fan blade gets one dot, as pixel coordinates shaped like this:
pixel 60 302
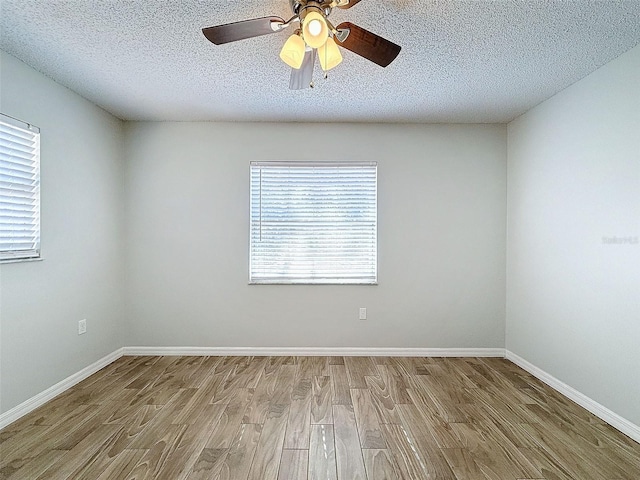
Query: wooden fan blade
pixel 350 4
pixel 368 45
pixel 302 77
pixel 232 32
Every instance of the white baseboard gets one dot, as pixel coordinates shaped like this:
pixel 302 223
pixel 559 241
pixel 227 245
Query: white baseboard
pixel 625 426
pixel 34 402
pixel 316 351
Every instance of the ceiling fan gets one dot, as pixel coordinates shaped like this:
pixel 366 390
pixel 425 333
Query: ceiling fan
pixel 315 37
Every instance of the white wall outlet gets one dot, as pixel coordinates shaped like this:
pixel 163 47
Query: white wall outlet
pixel 82 326
pixel 363 313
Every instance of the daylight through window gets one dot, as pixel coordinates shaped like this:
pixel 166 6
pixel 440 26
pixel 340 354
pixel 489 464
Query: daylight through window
pixel 313 223
pixel 19 190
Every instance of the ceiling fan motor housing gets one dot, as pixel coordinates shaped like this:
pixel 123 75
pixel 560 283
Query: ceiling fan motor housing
pixel 300 7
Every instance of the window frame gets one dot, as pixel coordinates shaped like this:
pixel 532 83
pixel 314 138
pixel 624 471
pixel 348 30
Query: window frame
pixel 372 256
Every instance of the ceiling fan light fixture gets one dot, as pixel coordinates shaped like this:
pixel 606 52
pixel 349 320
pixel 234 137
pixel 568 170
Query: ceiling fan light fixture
pixel 315 29
pixel 315 37
pixel 292 52
pixel 329 55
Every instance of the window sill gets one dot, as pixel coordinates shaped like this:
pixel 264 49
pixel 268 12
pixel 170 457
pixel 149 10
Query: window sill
pixel 20 260
pixel 318 284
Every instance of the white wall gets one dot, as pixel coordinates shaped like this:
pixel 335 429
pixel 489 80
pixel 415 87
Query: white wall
pixel 81 275
pixel 573 301
pixel 442 232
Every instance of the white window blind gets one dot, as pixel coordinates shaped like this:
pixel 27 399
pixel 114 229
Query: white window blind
pixel 19 190
pixel 313 223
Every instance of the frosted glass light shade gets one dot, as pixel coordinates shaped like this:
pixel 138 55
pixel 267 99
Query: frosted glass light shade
pixel 329 55
pixel 315 30
pixel 292 52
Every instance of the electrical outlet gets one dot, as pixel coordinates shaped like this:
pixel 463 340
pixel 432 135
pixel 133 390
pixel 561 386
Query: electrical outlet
pixel 82 326
pixel 363 313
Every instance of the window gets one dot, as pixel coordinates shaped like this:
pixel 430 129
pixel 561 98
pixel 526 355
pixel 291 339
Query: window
pixel 313 223
pixel 19 190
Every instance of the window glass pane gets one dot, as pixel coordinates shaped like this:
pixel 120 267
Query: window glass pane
pixel 313 223
pixel 19 190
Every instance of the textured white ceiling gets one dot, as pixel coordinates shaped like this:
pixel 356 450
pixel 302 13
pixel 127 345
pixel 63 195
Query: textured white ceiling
pixel 462 60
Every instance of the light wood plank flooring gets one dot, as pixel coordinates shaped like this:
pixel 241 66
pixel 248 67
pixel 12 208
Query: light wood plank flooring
pixel 314 418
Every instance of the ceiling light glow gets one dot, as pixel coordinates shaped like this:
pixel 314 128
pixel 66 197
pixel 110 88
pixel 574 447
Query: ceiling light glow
pixel 315 27
pixel 315 30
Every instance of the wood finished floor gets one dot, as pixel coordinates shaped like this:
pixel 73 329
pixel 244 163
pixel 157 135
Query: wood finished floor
pixel 314 418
